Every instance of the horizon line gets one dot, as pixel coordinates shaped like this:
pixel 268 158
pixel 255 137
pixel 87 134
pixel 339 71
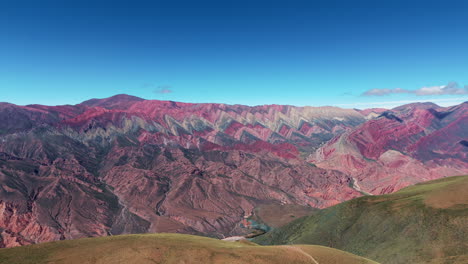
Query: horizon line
pixel 371 105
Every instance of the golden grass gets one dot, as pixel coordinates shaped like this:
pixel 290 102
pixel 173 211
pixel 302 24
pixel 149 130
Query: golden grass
pixel 453 194
pixel 326 255
pixel 443 193
pixel 169 248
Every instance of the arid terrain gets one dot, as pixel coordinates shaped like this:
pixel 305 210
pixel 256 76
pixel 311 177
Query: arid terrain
pixel 125 165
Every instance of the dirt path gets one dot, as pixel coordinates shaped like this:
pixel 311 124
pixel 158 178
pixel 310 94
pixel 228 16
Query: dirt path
pixel 298 250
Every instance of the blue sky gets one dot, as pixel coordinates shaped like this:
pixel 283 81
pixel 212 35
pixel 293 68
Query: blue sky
pixel 247 52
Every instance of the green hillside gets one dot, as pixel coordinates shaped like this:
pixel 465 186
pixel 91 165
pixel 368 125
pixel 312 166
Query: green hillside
pixel 171 248
pixel 424 223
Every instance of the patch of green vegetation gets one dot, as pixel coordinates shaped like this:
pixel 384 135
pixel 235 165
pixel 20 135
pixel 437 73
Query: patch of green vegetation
pixel 369 159
pixel 276 215
pixel 403 227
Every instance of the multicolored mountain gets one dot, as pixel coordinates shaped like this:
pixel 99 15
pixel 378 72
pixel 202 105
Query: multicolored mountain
pixel 125 165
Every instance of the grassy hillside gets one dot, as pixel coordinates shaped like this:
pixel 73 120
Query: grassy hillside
pixel 268 213
pixel 424 223
pixel 171 248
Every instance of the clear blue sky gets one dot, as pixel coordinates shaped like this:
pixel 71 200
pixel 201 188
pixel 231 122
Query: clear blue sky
pixel 247 52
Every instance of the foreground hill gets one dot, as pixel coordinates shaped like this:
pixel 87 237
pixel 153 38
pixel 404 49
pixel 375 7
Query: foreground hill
pixel 424 223
pixel 124 165
pixel 171 248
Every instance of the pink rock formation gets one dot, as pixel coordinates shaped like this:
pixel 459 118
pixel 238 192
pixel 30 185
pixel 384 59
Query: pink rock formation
pixel 404 146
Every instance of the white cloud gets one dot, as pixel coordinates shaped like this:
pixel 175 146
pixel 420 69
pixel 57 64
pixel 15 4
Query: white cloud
pixel 390 104
pixel 385 91
pixel 452 88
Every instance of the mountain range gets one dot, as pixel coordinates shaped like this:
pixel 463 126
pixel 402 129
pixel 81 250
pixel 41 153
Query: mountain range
pixel 125 165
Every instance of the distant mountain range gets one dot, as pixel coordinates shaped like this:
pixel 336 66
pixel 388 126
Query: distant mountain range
pixel 125 165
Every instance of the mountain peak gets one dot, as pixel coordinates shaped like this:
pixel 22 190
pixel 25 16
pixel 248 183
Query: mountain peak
pixel 420 105
pixel 115 101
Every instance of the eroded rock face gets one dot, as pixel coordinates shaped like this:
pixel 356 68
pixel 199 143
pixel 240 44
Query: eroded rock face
pixel 404 146
pixel 127 165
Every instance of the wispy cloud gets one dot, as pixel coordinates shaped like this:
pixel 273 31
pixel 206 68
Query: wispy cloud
pixel 381 92
pixel 452 88
pixel 391 104
pixel 163 89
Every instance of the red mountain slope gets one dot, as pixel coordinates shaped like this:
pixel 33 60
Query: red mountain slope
pixel 403 146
